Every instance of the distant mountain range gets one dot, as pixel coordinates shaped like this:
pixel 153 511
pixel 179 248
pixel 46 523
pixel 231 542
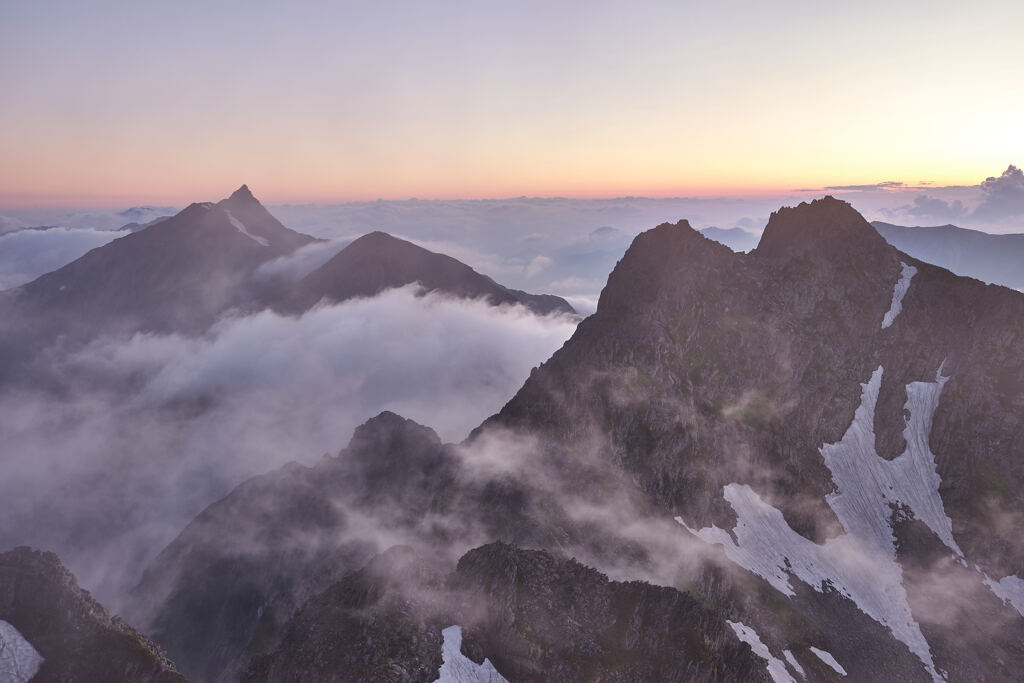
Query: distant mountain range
pixel 736 239
pixel 797 463
pixel 180 274
pixel 997 259
pixel 849 412
pixel 378 261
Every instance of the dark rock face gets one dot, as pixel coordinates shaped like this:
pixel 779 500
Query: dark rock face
pixel 998 259
pixel 76 637
pixel 534 616
pixel 380 623
pixel 544 619
pixel 698 356
pixel 224 589
pixel 701 368
pixel 959 615
pixel 227 585
pixel 378 261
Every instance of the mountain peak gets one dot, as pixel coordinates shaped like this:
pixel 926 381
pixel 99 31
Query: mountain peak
pixel 242 193
pixel 388 426
pixel 378 238
pixel 827 225
pixel 668 253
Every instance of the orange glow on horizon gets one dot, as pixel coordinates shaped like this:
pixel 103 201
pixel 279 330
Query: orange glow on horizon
pixel 291 192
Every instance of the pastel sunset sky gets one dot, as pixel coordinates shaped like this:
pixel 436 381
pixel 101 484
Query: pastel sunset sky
pixel 108 103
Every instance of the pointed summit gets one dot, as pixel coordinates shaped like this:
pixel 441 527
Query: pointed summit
pixel 250 217
pixel 660 260
pixel 827 226
pixel 242 194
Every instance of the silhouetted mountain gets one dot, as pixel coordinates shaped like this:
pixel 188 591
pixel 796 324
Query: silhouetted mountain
pixel 813 446
pixel 72 634
pixel 715 378
pixel 180 273
pixel 225 588
pixel 997 259
pixel 378 261
pixel 177 275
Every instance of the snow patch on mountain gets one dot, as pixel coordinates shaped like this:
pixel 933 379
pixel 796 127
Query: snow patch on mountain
pixel 240 226
pixel 898 292
pixel 776 667
pixel 827 657
pixel 868 486
pixel 860 564
pixel 458 668
pixel 793 663
pixel 19 661
pixel 1009 589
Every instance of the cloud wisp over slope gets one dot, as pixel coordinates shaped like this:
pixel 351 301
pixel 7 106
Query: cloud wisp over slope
pixel 155 427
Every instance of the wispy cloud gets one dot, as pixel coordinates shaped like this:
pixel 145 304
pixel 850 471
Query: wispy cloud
pixel 158 426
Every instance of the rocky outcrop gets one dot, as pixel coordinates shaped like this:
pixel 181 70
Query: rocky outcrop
pixel 380 623
pixel 791 407
pixel 74 635
pixel 538 618
pixel 703 367
pixel 535 617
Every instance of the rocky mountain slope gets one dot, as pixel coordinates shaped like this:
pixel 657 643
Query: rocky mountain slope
pixel 997 259
pixel 226 587
pixel 176 275
pixel 71 635
pixel 803 395
pixel 810 448
pixel 525 613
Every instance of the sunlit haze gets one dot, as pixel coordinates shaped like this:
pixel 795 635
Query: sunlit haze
pixel 119 103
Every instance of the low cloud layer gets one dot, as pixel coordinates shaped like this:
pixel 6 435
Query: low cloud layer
pixel 929 209
pixel 160 426
pixel 303 261
pixel 27 254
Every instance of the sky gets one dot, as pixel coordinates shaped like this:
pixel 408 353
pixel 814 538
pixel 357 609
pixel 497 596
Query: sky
pixel 122 103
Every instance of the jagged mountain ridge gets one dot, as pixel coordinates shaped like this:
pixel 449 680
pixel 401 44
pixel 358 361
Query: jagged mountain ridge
pixel 570 624
pixel 703 368
pixel 229 583
pixel 74 635
pixel 736 339
pixel 756 362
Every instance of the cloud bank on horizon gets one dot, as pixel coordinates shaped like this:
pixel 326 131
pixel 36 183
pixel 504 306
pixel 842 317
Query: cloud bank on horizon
pixel 556 245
